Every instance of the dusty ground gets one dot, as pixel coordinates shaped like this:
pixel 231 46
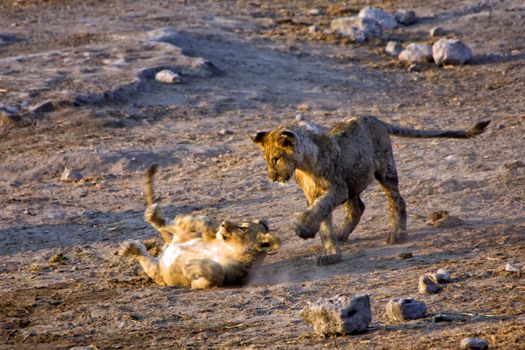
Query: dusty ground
pixel 76 72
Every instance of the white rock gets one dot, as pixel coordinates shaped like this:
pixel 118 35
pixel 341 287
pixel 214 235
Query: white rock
pixel 357 29
pixel 406 17
pixel 314 12
pixel 167 76
pixel 69 175
pixel 416 53
pixel 451 51
pixel 386 20
pixel 442 276
pixel 393 48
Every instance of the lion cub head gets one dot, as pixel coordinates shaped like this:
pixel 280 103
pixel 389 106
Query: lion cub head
pixel 248 237
pixel 280 152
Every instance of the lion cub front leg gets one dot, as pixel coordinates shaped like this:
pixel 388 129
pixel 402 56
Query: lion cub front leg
pixel 150 265
pixel 153 216
pixel 308 222
pixel 204 273
pixel 331 251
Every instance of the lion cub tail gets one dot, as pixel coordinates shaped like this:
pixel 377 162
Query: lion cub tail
pixel 477 129
pixel 149 192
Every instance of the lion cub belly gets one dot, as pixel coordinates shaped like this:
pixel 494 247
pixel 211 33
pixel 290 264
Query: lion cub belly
pixel 177 255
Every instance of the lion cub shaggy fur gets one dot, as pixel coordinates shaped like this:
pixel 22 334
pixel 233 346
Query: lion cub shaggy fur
pixel 333 168
pixel 197 252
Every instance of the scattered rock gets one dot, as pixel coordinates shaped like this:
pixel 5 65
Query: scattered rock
pixel 416 53
pixel 9 120
pixel 314 29
pixel 91 347
pixel 44 107
pixel 441 218
pixel 315 12
pixel 442 276
pixel 414 67
pixel 512 268
pixel 405 17
pixel 386 20
pixel 338 316
pixel 224 132
pixel 445 317
pixel 58 258
pixel 393 48
pixel 405 255
pixel 357 29
pixel 428 285
pixel 474 344
pixel 451 51
pixel 168 77
pixel 69 175
pixel 437 31
pixel 403 309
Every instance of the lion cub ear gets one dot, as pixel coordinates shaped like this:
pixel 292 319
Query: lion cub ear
pixel 259 137
pixel 287 139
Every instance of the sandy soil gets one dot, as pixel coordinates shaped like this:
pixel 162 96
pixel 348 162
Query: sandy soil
pixel 79 76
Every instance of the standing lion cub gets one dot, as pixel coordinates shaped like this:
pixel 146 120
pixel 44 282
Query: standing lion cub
pixel 333 169
pixel 198 253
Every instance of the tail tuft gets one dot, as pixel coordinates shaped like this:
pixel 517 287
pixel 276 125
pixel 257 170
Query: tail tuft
pixel 479 128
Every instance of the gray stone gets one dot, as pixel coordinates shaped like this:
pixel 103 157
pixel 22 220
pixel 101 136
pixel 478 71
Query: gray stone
pixel 427 285
pixel 474 344
pixel 69 175
pixel 357 29
pixel 416 53
pixel 405 17
pixel 403 309
pixel 442 276
pixel 451 51
pixel 393 48
pixel 511 268
pixel 446 317
pixel 437 31
pixel 338 315
pixel 9 120
pixel 44 107
pixel 386 20
pixel 314 29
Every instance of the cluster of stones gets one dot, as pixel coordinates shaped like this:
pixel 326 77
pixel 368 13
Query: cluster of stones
pixel 372 22
pixel 340 315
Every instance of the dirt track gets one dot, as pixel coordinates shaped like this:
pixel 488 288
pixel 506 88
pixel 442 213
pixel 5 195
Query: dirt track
pixel 249 66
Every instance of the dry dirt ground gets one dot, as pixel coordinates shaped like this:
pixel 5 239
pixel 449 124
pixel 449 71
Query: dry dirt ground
pixel 79 76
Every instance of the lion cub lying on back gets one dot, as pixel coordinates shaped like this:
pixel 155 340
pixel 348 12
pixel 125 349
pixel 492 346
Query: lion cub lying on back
pixel 197 253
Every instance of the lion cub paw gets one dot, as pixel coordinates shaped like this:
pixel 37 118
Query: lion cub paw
pixel 304 227
pixel 132 248
pixel 396 237
pixel 323 260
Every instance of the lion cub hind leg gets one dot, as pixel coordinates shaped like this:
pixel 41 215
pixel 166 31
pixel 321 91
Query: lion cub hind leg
pixel 150 264
pixel 204 273
pixel 398 213
pixel 354 208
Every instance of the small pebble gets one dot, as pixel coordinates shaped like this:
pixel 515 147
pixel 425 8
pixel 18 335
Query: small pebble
pixel 69 175
pixel 427 285
pixel 511 268
pixel 437 31
pixel 442 276
pixel 314 29
pixel 167 76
